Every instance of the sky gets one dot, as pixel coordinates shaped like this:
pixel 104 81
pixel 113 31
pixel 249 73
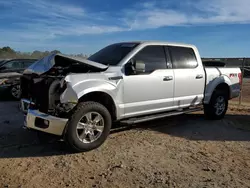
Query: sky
pixel 219 28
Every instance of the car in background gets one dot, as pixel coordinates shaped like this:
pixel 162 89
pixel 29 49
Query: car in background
pixel 10 72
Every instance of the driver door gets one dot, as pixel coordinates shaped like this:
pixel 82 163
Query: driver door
pixel 150 88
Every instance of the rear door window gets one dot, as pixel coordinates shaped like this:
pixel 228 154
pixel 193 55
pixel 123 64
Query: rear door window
pixel 183 57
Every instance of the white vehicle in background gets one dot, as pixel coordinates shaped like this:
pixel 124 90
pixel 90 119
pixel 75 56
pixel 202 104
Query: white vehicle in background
pixel 128 82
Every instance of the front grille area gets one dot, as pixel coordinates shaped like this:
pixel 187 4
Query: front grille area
pixel 36 90
pixel 25 83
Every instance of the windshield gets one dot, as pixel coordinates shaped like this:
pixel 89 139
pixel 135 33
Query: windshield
pixel 2 62
pixel 112 54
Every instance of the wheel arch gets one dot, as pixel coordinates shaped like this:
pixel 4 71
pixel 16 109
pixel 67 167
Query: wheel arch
pixel 221 83
pixel 103 98
pixel 224 87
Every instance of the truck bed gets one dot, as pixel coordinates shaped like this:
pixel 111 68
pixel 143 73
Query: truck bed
pixel 230 76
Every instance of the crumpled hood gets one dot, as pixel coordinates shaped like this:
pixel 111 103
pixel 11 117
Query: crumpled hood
pixel 45 64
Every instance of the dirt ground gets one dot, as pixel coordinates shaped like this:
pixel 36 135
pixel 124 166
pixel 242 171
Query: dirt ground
pixel 181 151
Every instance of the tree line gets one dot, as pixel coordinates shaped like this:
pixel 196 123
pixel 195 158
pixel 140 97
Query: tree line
pixel 9 53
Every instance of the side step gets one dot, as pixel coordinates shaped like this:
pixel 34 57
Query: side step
pixel 157 116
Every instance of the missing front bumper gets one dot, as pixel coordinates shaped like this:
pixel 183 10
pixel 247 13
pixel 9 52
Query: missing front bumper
pixel 45 123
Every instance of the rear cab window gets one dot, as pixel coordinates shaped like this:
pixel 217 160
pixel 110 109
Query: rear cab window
pixel 182 57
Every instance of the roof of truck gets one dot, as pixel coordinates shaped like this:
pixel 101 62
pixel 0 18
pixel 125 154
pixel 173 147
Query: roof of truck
pixel 160 43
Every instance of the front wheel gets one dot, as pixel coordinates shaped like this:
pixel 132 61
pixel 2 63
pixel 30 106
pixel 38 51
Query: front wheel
pixel 88 127
pixel 217 107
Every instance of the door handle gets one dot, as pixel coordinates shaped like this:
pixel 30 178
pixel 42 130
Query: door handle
pixel 168 78
pixel 199 76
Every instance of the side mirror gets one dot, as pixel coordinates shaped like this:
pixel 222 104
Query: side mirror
pixel 140 67
pixel 134 67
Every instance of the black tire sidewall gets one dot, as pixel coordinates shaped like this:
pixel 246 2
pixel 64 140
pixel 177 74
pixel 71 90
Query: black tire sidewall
pixel 210 110
pixel 81 109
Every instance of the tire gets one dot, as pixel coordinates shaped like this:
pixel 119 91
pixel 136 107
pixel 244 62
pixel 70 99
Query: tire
pixel 15 91
pixel 76 136
pixel 217 107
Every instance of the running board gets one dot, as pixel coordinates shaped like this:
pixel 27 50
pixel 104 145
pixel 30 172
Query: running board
pixel 157 116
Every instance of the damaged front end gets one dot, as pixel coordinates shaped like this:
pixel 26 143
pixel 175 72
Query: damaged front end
pixel 42 86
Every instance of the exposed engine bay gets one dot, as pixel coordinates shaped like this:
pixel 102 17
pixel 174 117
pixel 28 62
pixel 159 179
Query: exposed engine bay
pixel 43 82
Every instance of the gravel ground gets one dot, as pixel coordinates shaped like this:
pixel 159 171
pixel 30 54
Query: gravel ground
pixel 183 151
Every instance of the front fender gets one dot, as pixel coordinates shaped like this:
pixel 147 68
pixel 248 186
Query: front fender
pixel 210 87
pixel 74 92
pixel 84 88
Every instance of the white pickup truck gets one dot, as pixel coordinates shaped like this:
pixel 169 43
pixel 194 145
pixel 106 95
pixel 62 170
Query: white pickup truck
pixel 129 82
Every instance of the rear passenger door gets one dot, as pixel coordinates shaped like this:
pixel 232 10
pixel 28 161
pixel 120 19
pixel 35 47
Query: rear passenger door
pixel 189 76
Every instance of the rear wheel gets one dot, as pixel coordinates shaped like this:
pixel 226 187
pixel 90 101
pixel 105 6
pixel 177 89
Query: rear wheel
pixel 88 127
pixel 217 107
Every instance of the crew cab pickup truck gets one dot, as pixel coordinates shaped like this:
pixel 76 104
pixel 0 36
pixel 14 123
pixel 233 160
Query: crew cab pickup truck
pixel 128 82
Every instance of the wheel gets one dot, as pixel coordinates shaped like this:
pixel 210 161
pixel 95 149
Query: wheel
pixel 88 127
pixel 15 91
pixel 217 107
